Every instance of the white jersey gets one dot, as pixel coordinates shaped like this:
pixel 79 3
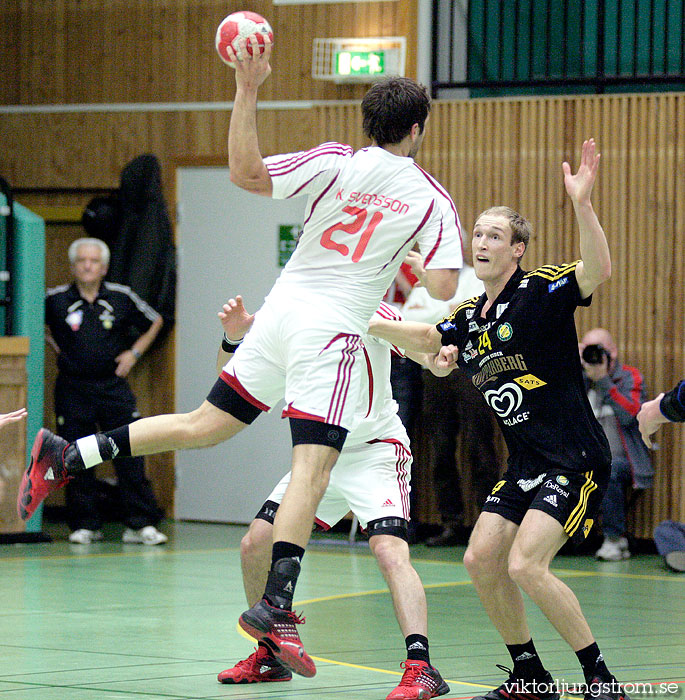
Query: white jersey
pixel 376 415
pixel 365 211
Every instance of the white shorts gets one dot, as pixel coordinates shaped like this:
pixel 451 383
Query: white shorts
pixel 372 480
pixel 290 353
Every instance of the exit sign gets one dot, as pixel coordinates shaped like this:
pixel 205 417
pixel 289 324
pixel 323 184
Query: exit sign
pixel 353 63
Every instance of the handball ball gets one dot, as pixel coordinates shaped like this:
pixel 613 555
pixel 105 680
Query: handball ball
pixel 241 25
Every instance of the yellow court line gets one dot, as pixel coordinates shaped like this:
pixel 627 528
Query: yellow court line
pixel 322 659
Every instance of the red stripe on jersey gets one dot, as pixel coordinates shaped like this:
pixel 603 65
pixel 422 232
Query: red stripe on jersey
pixel 284 167
pixel 318 199
pixel 235 384
pixel 388 312
pixel 290 412
pixel 413 235
pixel 443 192
pixel 430 255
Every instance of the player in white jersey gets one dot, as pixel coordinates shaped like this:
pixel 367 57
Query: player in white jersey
pixel 372 479
pixel 364 212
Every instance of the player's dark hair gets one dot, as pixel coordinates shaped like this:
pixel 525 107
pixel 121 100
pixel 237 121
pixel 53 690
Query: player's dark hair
pixel 520 226
pixel 391 107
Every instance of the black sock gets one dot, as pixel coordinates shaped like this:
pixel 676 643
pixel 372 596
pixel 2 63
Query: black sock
pixel 417 648
pixel 285 568
pixel 120 441
pixel 286 550
pixel 85 453
pixel 527 664
pixel 592 662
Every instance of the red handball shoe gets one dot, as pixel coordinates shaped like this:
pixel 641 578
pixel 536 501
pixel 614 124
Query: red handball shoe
pixel 419 682
pixel 276 629
pixel 46 472
pixel 259 667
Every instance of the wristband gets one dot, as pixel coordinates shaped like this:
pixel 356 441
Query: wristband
pixel 136 353
pixel 228 345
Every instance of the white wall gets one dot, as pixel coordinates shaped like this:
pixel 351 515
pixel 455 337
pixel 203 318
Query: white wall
pixel 227 245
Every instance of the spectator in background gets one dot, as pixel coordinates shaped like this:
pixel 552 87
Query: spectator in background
pixel 615 392
pixel 452 405
pixel 99 331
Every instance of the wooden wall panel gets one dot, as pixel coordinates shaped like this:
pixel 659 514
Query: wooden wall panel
pixel 484 152
pixel 163 50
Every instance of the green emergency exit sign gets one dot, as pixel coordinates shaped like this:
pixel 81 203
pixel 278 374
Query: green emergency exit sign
pixel 351 63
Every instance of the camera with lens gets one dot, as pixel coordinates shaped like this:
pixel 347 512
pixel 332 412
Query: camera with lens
pixel 595 354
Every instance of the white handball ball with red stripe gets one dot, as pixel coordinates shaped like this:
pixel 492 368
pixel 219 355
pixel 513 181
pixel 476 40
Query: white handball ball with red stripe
pixel 242 25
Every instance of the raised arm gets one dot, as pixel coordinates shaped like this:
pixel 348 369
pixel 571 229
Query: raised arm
pixel 595 265
pixel 236 322
pixel 244 157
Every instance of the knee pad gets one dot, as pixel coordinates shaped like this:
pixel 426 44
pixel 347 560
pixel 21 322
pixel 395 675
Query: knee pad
pixel 314 432
pixel 397 527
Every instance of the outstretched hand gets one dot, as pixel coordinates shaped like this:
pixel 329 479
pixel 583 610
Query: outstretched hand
pixel 250 70
pixel 235 319
pixel 12 417
pixel 579 186
pixel 650 418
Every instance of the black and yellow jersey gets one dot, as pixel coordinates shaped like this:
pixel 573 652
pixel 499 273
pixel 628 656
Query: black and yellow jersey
pixel 523 357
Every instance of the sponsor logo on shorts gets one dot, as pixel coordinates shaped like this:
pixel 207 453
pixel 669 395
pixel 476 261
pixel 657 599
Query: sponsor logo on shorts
pixel 587 526
pixel 492 499
pixel 447 326
pixel 551 485
pixel 551 499
pixel 561 479
pixel 388 504
pixel 528 484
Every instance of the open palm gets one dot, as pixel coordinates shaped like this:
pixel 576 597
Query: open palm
pixel 579 186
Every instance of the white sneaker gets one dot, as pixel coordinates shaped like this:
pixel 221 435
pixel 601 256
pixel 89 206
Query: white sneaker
pixel 84 536
pixel 613 549
pixel 149 535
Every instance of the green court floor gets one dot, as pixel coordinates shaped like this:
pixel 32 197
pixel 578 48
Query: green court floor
pixel 111 621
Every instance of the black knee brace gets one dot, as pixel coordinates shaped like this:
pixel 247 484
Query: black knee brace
pixel 397 527
pixel 313 432
pixel 228 400
pixel 268 512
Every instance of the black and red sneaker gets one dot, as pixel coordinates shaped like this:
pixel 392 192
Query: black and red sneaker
pixel 276 629
pixel 46 472
pixel 259 667
pixel 419 682
pixel 605 689
pixel 515 688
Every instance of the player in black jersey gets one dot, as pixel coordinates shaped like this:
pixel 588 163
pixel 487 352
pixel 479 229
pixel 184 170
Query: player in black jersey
pixel 518 344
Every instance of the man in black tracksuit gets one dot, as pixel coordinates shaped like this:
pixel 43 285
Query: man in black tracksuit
pixel 100 330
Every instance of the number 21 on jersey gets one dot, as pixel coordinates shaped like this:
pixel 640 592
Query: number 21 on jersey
pixel 353 227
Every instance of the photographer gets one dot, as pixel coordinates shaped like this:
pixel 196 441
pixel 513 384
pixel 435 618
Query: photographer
pixel 615 392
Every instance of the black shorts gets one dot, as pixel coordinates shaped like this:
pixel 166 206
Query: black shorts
pixel 572 498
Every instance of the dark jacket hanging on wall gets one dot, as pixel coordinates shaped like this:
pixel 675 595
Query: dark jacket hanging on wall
pixel 143 253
